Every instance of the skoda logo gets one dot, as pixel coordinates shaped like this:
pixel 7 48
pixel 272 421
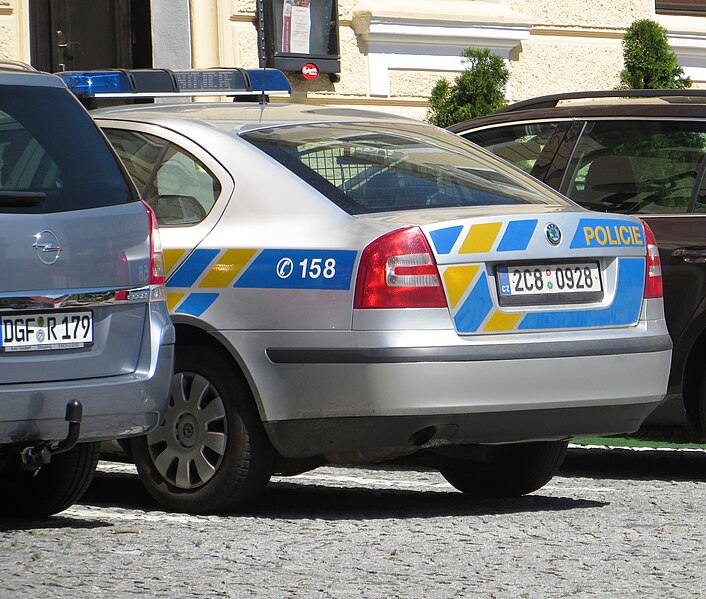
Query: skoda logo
pixel 553 234
pixel 47 246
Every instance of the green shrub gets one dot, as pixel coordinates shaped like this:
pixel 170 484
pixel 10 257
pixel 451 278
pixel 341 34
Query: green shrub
pixel 478 91
pixel 649 61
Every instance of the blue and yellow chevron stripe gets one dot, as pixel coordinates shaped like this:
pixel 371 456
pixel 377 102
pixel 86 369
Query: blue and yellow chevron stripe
pixel 195 283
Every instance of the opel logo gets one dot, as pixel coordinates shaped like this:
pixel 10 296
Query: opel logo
pixel 47 246
pixel 553 234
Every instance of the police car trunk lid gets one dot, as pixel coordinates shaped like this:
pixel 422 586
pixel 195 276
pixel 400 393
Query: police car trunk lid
pixel 541 271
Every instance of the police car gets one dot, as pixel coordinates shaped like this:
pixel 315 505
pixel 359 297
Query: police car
pixel 352 287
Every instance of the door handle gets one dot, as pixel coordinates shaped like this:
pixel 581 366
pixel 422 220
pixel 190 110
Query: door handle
pixel 693 255
pixel 63 46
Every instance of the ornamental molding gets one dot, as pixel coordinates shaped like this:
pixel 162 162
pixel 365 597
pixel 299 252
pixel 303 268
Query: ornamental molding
pixel 406 35
pixel 687 37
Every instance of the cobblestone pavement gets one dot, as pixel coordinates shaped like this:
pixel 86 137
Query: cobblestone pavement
pixel 611 524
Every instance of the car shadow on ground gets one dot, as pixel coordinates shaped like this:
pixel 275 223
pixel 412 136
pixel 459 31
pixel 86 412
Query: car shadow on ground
pixel 631 464
pixel 52 522
pixel 292 500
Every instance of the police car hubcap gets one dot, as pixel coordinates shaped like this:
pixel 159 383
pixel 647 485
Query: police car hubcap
pixel 188 447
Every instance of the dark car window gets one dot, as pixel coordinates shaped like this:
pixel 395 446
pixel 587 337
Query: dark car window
pixel 647 167
pixel 51 164
pixel 394 167
pixel 520 145
pixel 178 186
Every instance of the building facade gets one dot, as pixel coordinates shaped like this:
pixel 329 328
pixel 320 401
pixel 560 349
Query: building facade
pixel 391 51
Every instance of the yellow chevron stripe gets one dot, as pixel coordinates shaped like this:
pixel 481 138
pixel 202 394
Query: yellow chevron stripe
pixel 227 268
pixel 501 321
pixel 173 300
pixel 457 279
pixel 171 257
pixel 480 238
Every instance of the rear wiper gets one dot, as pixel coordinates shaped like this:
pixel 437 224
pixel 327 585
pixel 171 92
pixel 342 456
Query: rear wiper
pixel 19 199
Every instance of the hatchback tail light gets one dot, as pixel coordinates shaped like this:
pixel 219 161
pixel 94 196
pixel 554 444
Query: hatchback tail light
pixel 398 270
pixel 157 277
pixel 653 272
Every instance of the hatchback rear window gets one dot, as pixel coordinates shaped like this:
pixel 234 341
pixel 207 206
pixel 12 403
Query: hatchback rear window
pixel 52 156
pixel 381 167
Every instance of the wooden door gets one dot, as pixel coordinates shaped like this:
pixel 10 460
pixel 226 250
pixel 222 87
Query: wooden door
pixel 68 35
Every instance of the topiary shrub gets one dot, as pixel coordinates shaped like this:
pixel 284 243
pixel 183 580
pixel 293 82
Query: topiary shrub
pixel 649 61
pixel 478 91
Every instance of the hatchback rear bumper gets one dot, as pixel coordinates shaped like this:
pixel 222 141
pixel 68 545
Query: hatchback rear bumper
pixel 113 407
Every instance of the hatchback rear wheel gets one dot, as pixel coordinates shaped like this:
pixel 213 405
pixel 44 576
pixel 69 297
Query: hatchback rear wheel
pixel 51 489
pixel 210 454
pixel 511 471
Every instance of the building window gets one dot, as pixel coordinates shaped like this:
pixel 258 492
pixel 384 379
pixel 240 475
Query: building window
pixel 681 7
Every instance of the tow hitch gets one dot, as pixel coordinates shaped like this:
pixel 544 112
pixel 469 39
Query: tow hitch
pixel 39 455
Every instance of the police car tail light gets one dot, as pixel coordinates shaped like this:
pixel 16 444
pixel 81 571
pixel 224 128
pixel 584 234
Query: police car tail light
pixel 157 274
pixel 398 270
pixel 653 272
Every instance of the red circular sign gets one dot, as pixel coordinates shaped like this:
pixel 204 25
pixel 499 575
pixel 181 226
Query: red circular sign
pixel 310 71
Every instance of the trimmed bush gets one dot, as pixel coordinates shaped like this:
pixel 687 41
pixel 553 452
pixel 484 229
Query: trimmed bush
pixel 649 61
pixel 478 91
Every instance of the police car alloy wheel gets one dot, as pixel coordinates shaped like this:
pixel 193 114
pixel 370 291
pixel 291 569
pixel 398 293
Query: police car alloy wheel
pixel 209 454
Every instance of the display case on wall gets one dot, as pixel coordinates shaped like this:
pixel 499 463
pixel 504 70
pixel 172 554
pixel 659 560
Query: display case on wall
pixel 300 36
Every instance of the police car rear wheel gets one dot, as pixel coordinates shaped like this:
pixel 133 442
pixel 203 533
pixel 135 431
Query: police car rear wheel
pixel 514 470
pixel 210 454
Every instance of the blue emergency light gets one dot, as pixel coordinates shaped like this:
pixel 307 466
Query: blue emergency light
pixel 160 83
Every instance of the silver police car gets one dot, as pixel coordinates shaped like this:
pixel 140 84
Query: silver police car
pixel 352 287
pixel 86 343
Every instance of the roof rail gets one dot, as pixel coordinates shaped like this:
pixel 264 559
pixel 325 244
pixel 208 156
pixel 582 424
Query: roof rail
pixel 552 100
pixel 15 65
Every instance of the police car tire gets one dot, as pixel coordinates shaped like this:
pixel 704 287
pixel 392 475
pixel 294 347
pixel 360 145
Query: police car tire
pixel 248 460
pixel 516 469
pixel 52 489
pixel 696 411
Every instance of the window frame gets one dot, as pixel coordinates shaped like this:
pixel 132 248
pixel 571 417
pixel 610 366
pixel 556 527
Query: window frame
pixel 680 7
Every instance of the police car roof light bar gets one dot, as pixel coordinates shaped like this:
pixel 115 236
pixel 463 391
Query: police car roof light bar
pixel 160 83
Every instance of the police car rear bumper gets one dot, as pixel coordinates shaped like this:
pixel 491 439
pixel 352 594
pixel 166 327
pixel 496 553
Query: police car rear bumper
pixel 375 390
pixel 402 435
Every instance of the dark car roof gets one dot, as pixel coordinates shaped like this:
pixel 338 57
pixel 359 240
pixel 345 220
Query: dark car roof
pixel 598 104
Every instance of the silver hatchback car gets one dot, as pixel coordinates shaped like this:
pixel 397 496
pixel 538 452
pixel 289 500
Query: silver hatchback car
pixel 352 287
pixel 86 342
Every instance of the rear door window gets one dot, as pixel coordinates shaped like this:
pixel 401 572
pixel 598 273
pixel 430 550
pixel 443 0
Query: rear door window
pixel 645 167
pixel 50 163
pixel 180 188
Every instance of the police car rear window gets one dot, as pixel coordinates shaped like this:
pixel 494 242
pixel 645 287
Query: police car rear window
pixel 380 167
pixel 52 156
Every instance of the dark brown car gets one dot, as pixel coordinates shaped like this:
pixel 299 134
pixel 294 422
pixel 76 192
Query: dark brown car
pixel 643 155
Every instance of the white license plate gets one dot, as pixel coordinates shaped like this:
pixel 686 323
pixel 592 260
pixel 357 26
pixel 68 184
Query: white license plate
pixel 45 331
pixel 549 279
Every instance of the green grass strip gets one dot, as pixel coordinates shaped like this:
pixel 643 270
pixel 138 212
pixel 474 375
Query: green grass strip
pixel 656 443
